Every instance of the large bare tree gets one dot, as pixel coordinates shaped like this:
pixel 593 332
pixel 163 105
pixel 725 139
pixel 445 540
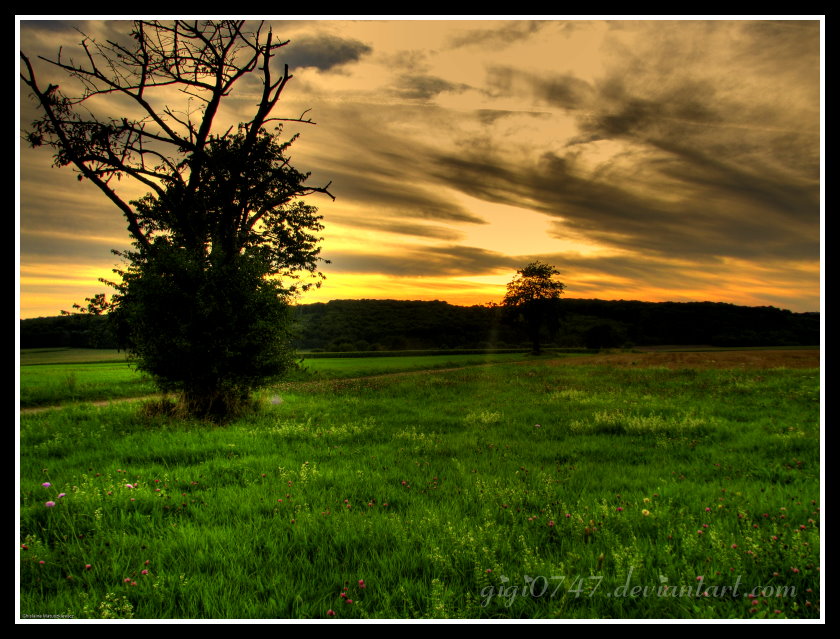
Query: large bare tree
pixel 222 231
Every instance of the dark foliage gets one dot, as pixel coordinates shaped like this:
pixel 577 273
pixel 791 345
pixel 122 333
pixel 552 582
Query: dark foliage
pixel 221 239
pixel 533 298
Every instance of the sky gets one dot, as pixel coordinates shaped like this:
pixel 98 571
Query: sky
pixel 646 159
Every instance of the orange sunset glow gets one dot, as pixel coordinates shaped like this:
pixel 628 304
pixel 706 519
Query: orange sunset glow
pixel 655 160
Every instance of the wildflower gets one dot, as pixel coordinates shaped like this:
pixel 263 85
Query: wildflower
pixel 795 570
pixel 127 580
pixel 144 572
pixel 330 613
pixel 49 504
pixel 489 570
pixel 42 562
pixel 343 595
pixel 699 532
pixel 645 512
pixel 147 562
pixel 734 545
pixel 24 547
pixel 60 495
pixel 551 523
pixel 362 583
pixel 129 486
pixel 88 566
pixel 619 509
pixel 46 484
pixel 349 601
pixel 568 515
pixel 708 510
pixel 699 577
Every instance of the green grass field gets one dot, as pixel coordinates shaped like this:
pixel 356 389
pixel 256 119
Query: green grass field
pixel 515 490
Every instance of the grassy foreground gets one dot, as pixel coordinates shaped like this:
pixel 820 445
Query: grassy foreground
pixel 506 491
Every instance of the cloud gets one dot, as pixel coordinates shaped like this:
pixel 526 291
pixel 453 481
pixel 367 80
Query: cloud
pixel 399 226
pixel 445 261
pixel 323 51
pixel 424 87
pixel 737 219
pixel 504 35
pixel 395 195
pixel 559 90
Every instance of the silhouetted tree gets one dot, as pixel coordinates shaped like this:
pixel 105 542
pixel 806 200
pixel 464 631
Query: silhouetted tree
pixel 221 239
pixel 534 296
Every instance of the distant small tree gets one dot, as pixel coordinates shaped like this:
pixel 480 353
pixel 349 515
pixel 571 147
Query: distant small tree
pixel 533 296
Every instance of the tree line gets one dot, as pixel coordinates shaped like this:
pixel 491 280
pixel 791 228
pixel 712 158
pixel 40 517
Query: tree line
pixel 389 325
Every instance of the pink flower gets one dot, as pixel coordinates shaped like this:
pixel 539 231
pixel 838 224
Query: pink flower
pixel 49 504
pixel 568 515
pixel 699 577
pixel 708 510
pixel 144 572
pixel 489 570
pixel 129 486
pixel 88 566
pixel 330 613
pixel 619 509
pixel 362 583
pixel 551 523
pixel 46 484
pixel 60 495
pixel 734 545
pixel 348 601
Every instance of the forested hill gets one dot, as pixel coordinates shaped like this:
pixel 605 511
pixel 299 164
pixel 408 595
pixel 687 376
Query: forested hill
pixel 396 325
pixel 358 325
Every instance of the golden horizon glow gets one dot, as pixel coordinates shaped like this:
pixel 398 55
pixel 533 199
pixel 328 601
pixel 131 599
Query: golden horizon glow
pixel 648 160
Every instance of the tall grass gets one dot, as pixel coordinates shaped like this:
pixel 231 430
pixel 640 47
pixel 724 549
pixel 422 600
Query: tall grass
pixel 506 491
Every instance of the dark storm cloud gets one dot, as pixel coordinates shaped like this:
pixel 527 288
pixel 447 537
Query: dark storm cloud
pixel 323 51
pixel 608 210
pixel 395 194
pixel 424 87
pixel 508 33
pixel 708 168
pixel 560 90
pixel 489 116
pixel 399 226
pixel 446 261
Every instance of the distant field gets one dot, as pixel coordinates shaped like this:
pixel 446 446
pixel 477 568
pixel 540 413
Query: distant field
pixel 63 375
pixel 529 489
pixel 30 356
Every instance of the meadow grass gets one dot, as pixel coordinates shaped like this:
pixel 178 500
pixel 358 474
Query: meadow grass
pixel 505 491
